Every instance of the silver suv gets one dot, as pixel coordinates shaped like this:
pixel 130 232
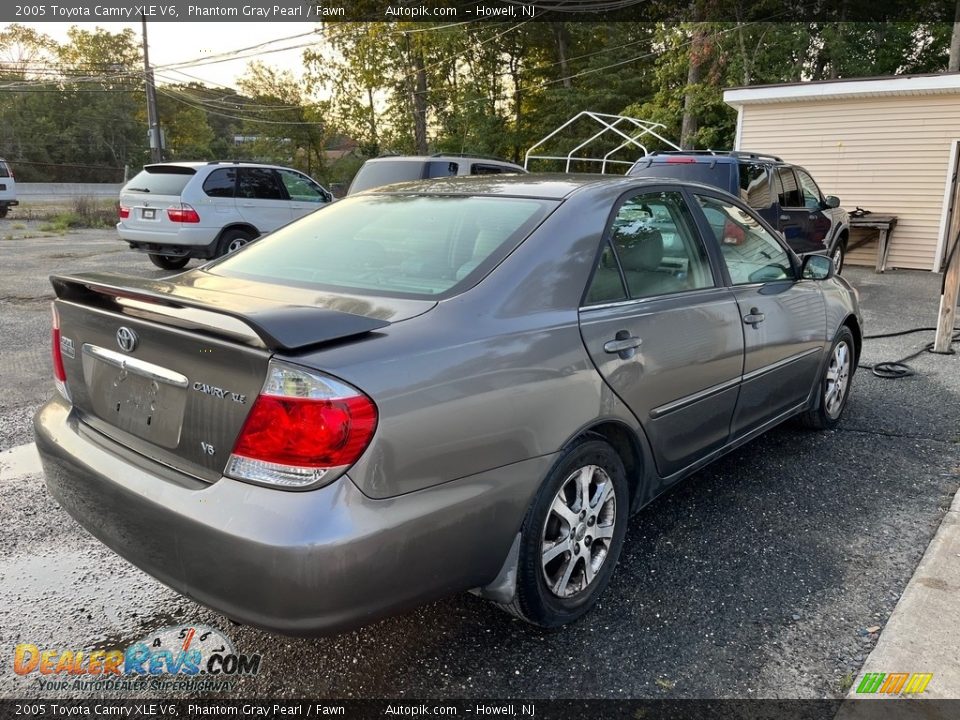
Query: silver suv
pixel 8 189
pixel 390 169
pixel 181 210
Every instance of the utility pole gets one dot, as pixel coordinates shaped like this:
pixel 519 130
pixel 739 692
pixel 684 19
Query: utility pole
pixel 153 117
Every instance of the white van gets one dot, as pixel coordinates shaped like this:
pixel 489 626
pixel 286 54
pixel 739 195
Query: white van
pixel 8 189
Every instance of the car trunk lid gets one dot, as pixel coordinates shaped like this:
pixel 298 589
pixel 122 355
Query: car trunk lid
pixel 171 370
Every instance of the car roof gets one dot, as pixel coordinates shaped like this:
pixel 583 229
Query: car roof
pixel 548 186
pixel 196 164
pixel 441 157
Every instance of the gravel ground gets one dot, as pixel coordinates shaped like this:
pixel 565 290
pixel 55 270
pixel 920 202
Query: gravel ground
pixel 758 577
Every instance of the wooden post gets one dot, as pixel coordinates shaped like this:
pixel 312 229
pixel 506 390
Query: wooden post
pixel 948 300
pixel 947 316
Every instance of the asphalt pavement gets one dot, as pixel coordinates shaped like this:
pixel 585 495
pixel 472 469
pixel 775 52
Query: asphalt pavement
pixel 769 574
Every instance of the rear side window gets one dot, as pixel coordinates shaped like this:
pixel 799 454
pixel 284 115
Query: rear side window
pixel 4 170
pixel 437 169
pixel 259 184
pixel 160 180
pixel 483 169
pixel 788 192
pixel 755 185
pixel 654 238
pixel 221 183
pixel 714 174
pixel 399 245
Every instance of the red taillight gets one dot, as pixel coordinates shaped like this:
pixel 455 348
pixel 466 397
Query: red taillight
pixel 182 213
pixel 683 160
pixel 56 351
pixel 302 425
pixel 123 212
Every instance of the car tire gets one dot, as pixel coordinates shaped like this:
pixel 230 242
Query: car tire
pixel 233 240
pixel 838 256
pixel 554 585
pixel 168 262
pixel 834 384
pixel 3 213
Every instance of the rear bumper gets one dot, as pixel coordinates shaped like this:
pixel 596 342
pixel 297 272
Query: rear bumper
pixel 185 240
pixel 8 203
pixel 299 563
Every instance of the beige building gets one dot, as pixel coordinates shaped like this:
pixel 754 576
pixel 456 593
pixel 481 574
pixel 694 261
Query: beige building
pixel 888 145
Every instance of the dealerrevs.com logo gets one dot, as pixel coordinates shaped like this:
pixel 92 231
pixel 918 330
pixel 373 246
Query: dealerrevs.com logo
pixel 182 657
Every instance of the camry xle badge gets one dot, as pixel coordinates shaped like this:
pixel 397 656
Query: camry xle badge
pixel 220 392
pixel 127 339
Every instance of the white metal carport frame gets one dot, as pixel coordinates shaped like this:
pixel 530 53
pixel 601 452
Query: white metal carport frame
pixel 631 130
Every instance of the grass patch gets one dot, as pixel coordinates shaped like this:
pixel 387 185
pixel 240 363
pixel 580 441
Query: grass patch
pixel 84 212
pixel 19 226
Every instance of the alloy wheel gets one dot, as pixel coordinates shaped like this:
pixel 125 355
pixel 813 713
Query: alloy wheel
pixel 838 380
pixel 578 531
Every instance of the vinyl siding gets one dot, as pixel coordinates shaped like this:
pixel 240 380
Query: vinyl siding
pixel 885 154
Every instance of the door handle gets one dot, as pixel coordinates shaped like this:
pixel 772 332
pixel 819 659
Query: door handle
pixel 784 217
pixel 754 318
pixel 248 205
pixel 624 345
pixel 811 217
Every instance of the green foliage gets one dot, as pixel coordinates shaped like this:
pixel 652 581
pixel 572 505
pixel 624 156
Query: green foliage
pixel 75 111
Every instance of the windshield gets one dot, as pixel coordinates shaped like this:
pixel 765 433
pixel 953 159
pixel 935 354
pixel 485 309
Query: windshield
pixel 169 180
pixel 401 245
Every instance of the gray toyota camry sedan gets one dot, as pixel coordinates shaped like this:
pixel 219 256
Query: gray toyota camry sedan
pixel 455 384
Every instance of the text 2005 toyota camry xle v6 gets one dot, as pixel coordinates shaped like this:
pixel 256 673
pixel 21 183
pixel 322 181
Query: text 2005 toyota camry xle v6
pixel 446 385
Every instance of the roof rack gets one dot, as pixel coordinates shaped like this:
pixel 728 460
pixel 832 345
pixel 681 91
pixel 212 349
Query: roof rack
pixel 728 153
pixel 631 130
pixel 472 155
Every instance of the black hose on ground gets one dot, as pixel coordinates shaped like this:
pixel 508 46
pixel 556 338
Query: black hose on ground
pixel 896 369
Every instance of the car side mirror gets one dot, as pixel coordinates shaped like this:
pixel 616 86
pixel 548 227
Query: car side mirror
pixel 817 267
pixel 831 201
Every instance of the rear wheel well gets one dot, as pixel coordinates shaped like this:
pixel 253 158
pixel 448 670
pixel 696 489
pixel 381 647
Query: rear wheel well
pixel 624 442
pixel 245 227
pixel 843 237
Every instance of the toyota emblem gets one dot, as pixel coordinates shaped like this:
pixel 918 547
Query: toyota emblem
pixel 127 339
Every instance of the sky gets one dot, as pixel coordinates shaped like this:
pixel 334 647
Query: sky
pixel 174 42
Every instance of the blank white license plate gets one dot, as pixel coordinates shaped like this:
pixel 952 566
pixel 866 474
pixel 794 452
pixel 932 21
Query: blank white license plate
pixel 149 214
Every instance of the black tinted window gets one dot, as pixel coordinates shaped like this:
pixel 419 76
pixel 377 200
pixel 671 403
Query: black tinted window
pixel 441 169
pixel 4 170
pixel 481 169
pixel 717 175
pixel 260 184
pixel 788 192
pixel 755 185
pixel 163 180
pixel 221 183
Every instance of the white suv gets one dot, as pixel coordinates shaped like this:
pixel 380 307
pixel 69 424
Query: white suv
pixel 181 210
pixel 8 189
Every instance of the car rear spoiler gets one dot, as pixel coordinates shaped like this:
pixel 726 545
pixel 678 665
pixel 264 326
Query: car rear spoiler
pixel 277 326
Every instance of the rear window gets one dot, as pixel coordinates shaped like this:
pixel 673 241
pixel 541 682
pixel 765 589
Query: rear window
pixel 719 175
pixel 377 174
pixel 396 245
pixel 163 180
pixel 4 170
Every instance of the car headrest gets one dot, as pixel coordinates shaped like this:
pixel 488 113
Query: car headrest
pixel 642 251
